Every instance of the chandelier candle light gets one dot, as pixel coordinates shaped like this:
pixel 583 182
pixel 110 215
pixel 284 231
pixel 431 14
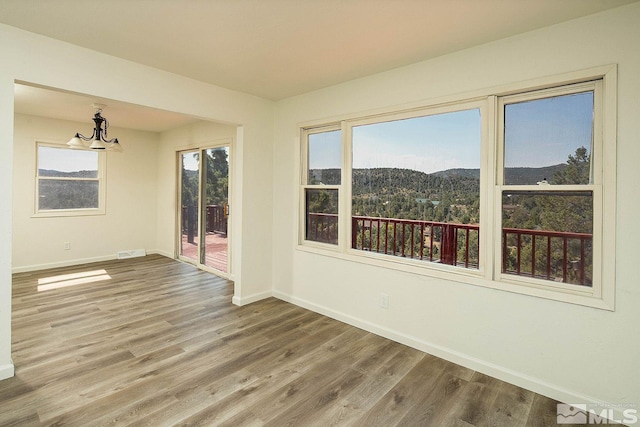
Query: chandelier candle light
pixel 99 139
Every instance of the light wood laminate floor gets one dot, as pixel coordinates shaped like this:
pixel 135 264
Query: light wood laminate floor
pixel 152 342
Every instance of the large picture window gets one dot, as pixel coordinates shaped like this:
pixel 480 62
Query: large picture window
pixel 415 187
pixel 513 190
pixel 69 182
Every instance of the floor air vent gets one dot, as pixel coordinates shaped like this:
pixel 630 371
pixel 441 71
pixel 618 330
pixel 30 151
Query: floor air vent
pixel 131 254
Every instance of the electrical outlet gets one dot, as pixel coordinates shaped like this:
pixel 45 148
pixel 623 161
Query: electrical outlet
pixel 384 300
pixel 67 246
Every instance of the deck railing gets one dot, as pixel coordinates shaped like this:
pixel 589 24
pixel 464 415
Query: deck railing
pixel 322 227
pixel 558 256
pixel 190 222
pixel 216 220
pixel 446 243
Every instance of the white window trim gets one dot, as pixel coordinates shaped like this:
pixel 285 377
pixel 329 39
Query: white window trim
pixel 102 183
pixel 489 274
pixel 199 148
pixel 304 171
pixel 559 291
pixel 422 112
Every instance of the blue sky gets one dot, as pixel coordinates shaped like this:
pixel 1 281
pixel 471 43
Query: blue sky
pixel 325 150
pixel 427 144
pixel 545 132
pixel 66 160
pixel 538 133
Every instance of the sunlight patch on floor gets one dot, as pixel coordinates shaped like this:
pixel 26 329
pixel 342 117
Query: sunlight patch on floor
pixel 65 280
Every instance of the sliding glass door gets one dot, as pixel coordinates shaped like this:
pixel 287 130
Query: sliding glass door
pixel 214 248
pixel 189 202
pixel 204 207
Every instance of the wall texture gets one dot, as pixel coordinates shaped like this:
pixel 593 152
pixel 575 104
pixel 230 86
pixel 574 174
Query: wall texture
pixel 569 352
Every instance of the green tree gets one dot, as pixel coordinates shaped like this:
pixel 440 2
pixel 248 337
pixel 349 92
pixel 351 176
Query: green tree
pixel 577 171
pixel 217 188
pixel 570 211
pixel 189 180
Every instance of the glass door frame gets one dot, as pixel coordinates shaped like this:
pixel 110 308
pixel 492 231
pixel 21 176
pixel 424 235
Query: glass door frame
pixel 201 228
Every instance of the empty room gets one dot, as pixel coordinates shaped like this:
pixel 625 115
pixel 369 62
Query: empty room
pixel 361 212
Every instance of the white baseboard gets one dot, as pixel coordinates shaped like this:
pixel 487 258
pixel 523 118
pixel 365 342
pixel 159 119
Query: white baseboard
pixel 519 379
pixel 251 298
pixel 7 371
pixel 36 267
pixel 163 253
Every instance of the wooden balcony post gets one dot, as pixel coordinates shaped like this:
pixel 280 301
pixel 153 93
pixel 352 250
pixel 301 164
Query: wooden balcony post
pixel 192 219
pixel 448 244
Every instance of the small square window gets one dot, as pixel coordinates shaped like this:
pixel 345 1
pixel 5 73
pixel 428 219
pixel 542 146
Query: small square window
pixel 69 182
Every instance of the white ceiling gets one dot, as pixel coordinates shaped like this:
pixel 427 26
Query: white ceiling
pixel 281 48
pixel 66 106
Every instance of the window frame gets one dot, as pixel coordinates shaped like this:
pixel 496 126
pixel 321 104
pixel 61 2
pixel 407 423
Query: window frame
pixel 464 105
pixel 100 179
pixel 489 273
pixel 304 180
pixel 595 187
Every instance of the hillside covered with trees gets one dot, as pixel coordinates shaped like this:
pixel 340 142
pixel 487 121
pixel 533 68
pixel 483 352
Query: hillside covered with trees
pixel 451 195
pixel 67 193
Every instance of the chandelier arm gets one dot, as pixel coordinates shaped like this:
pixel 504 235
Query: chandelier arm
pixel 81 136
pixel 109 141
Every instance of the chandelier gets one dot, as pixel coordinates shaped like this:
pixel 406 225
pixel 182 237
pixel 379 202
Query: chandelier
pixel 98 139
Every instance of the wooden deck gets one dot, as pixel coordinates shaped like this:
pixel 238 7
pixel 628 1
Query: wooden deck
pixel 155 342
pixel 216 251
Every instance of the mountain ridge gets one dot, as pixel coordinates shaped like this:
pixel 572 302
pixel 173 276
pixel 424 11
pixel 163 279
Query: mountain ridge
pixel 513 176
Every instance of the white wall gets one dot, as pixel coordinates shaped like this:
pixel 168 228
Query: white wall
pixel 569 352
pixel 30 58
pixel 130 218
